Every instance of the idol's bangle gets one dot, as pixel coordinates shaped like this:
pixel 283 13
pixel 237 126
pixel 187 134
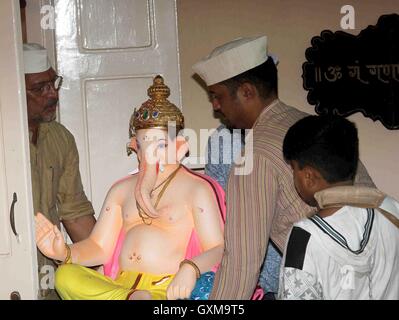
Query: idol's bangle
pixel 68 258
pixel 191 263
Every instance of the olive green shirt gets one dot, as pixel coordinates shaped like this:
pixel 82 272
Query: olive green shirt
pixel 56 183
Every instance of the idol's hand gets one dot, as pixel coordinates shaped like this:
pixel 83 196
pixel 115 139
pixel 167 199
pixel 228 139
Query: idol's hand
pixel 182 284
pixel 49 239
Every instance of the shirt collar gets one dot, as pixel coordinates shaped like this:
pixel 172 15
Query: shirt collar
pixel 265 111
pixel 43 130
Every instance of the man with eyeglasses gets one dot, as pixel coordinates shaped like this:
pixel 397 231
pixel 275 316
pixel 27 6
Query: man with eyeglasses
pixel 56 183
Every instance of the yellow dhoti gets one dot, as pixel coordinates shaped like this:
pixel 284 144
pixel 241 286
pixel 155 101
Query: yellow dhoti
pixel 75 282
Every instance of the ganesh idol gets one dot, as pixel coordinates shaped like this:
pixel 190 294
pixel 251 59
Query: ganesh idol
pixel 158 231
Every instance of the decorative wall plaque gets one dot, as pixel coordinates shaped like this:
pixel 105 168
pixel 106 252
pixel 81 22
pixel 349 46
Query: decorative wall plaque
pixel 345 74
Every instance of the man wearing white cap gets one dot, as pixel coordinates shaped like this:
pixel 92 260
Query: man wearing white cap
pixel 262 205
pixel 56 183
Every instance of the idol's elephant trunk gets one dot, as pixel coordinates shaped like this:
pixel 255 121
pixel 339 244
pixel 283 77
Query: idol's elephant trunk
pixel 147 178
pixel 148 173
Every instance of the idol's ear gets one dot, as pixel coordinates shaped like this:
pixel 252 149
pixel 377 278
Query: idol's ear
pixel 182 148
pixel 131 146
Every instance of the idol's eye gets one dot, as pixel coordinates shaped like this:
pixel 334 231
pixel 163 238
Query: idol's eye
pixel 162 143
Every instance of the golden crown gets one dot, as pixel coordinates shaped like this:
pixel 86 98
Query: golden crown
pixel 157 112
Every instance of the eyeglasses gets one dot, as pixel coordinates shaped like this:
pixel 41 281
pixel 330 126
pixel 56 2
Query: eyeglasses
pixel 44 88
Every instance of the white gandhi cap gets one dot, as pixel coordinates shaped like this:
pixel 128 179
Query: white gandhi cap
pixel 35 58
pixel 231 59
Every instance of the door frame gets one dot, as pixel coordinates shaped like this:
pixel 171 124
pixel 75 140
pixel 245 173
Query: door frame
pixel 19 265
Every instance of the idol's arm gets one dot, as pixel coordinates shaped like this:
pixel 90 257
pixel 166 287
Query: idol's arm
pixel 97 248
pixel 208 226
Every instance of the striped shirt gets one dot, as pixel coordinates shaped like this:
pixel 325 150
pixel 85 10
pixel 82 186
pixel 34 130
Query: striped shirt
pixel 261 205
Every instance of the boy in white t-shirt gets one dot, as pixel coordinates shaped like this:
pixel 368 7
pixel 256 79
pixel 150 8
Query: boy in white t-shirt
pixel 350 248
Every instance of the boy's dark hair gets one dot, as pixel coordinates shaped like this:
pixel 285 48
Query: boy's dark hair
pixel 263 77
pixel 327 143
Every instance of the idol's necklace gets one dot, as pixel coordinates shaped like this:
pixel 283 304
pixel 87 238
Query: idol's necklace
pixel 147 219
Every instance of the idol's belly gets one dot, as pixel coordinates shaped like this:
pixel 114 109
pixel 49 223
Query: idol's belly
pixel 152 250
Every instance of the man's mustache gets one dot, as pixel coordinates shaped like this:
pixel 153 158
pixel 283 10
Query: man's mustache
pixel 51 103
